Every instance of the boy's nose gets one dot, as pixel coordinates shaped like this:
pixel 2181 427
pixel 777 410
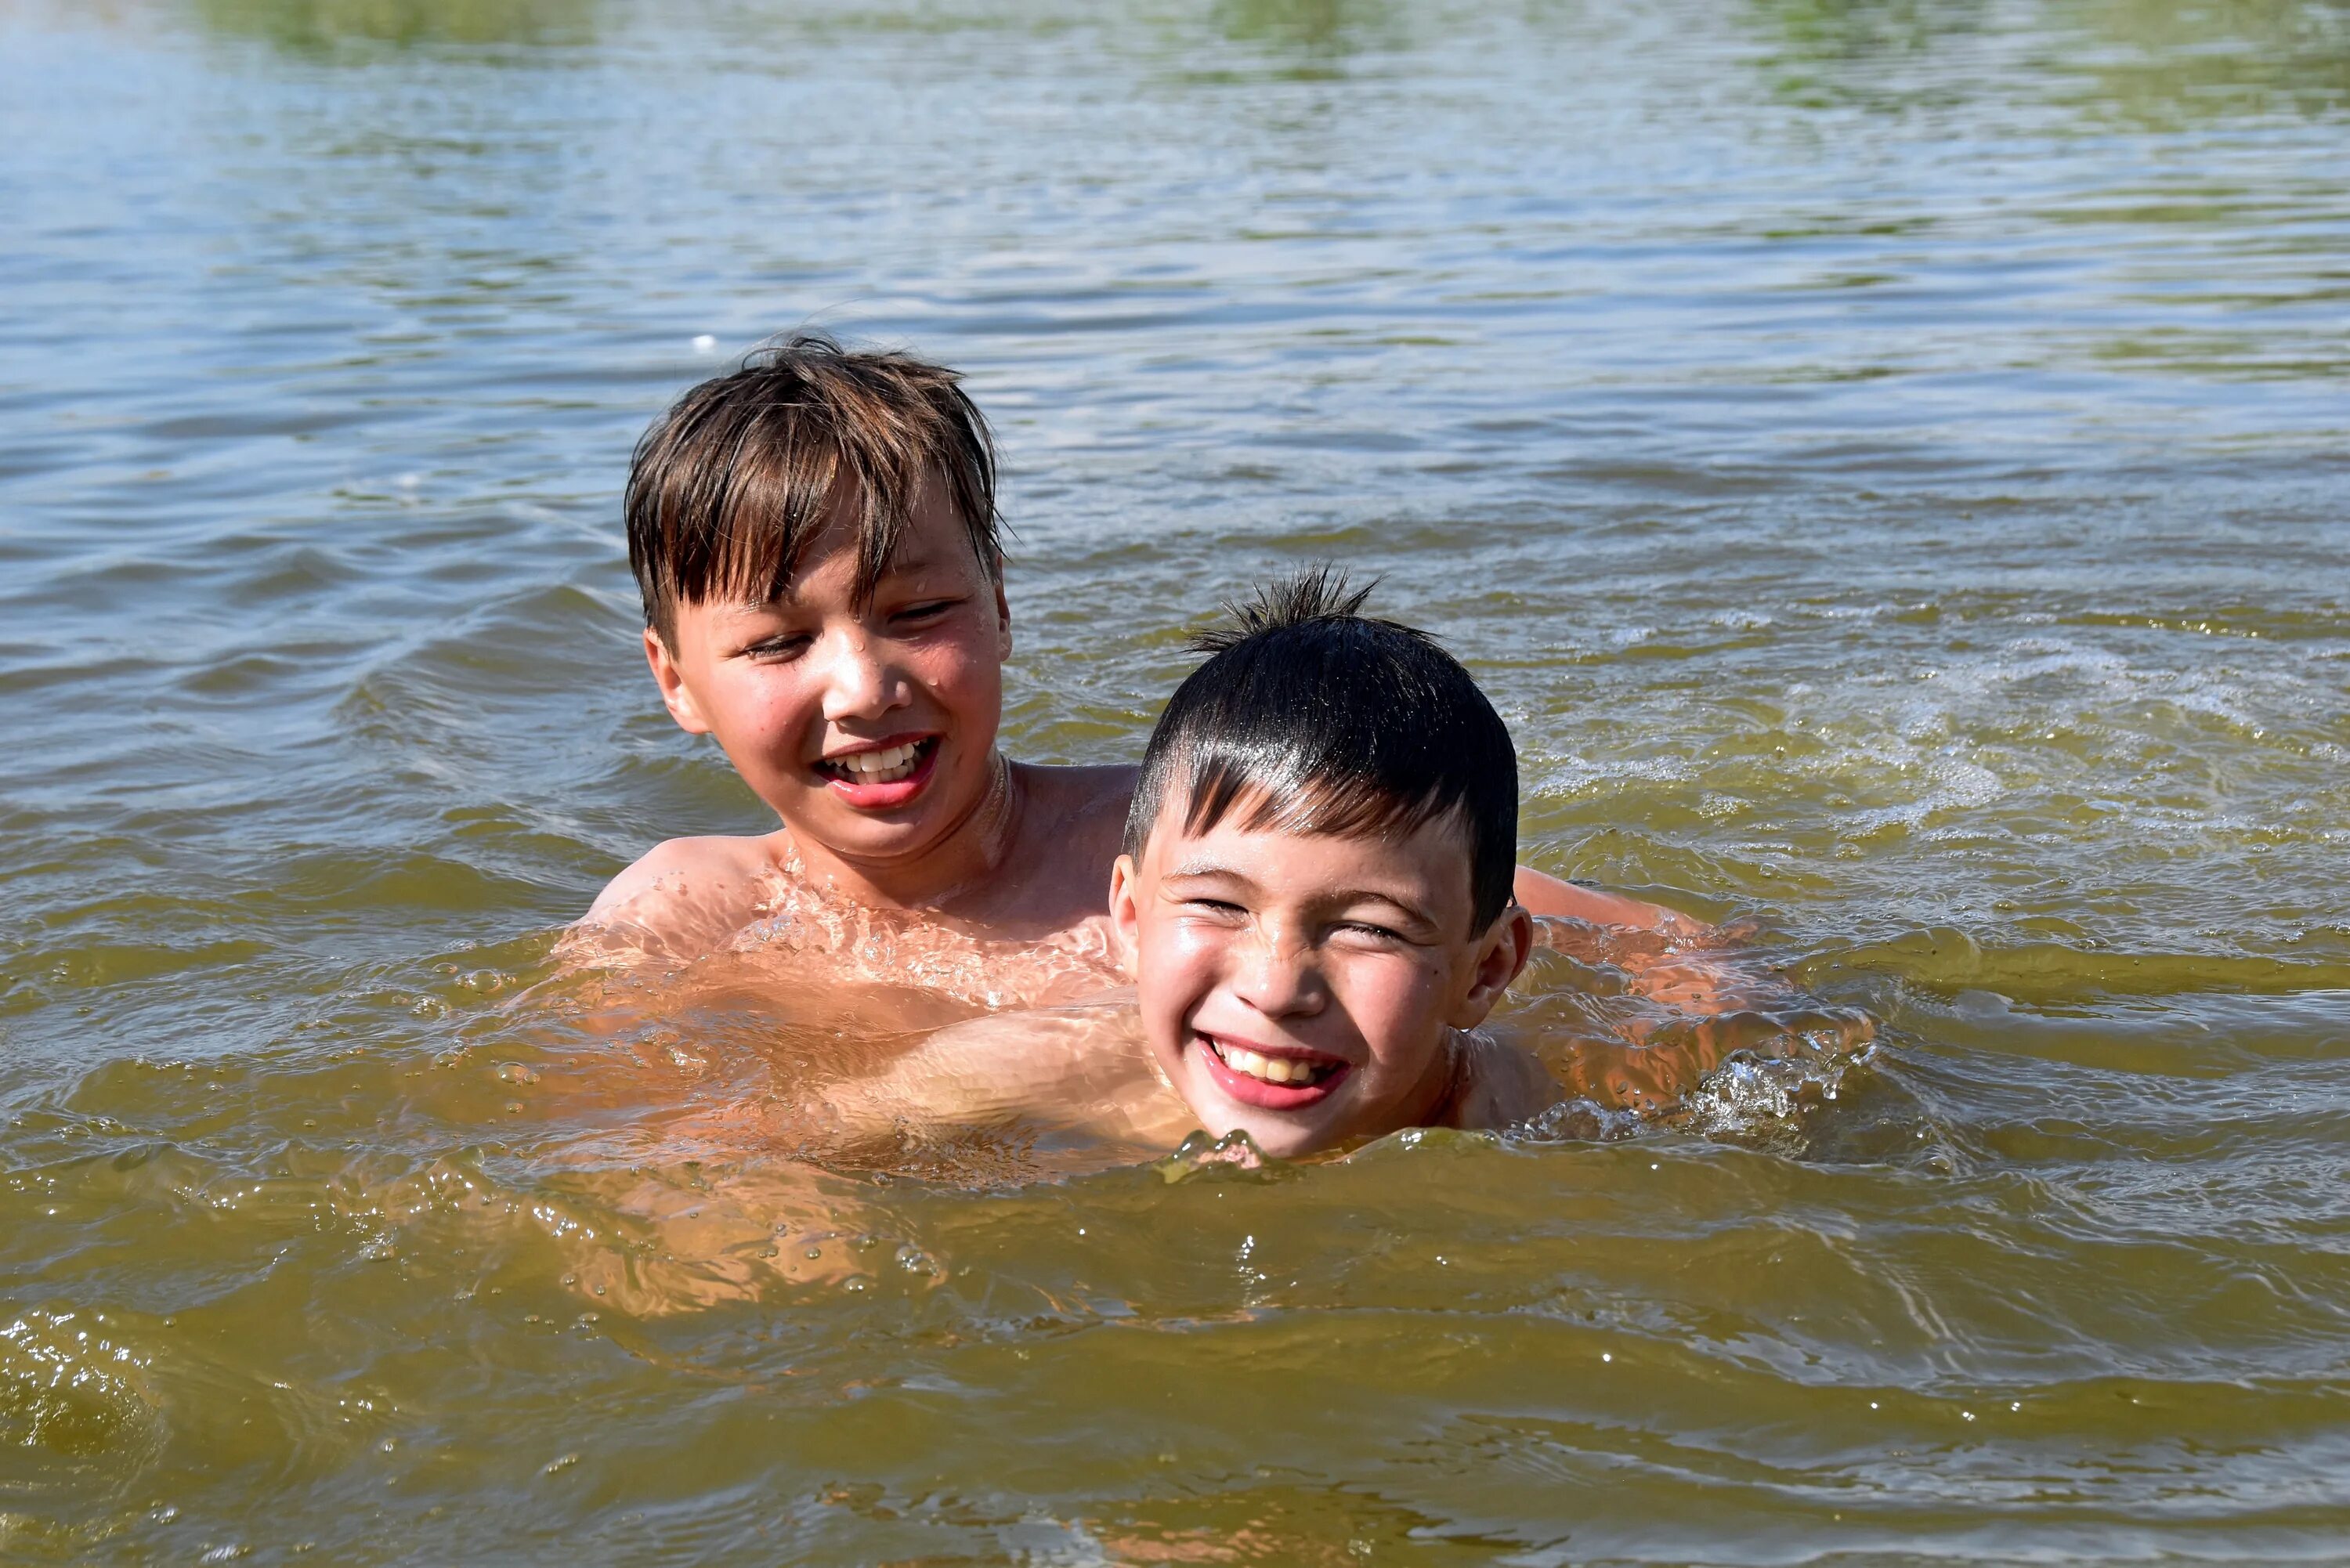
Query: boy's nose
pixel 1279 977
pixel 860 683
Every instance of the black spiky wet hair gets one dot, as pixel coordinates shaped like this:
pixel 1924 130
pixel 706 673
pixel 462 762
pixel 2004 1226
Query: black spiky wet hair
pixel 1312 717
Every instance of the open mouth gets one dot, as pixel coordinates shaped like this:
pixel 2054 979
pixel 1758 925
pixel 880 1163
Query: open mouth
pixel 881 765
pixel 1273 1069
pixel 1271 1080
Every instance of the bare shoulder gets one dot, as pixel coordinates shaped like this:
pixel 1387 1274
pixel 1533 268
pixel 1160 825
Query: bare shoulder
pixel 677 867
pixel 685 893
pixel 1076 819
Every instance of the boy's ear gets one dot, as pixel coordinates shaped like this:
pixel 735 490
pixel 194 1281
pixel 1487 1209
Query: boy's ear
pixel 1501 954
pixel 1125 916
pixel 1003 615
pixel 671 681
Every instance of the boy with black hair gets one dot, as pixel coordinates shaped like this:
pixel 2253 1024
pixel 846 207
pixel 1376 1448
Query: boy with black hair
pixel 1315 899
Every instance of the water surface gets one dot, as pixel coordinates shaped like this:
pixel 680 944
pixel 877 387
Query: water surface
pixel 1887 461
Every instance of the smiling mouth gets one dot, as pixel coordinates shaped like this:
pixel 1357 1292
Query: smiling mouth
pixel 882 765
pixel 1287 1072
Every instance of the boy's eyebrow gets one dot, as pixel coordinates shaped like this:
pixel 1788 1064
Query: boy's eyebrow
pixel 907 563
pixel 1209 868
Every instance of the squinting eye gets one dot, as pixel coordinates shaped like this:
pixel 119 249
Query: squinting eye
pixel 1378 933
pixel 778 648
pixel 1213 907
pixel 926 611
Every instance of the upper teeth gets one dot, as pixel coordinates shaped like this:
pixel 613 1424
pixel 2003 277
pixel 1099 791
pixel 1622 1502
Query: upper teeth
pixel 881 761
pixel 1271 1069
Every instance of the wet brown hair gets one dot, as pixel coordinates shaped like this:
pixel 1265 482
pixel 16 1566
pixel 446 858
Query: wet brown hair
pixel 727 488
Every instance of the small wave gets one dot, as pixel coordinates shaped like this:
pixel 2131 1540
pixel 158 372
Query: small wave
pixel 73 1393
pixel 1947 958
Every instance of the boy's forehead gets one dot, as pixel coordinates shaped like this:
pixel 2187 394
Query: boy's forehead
pixel 932 543
pixel 827 573
pixel 1426 857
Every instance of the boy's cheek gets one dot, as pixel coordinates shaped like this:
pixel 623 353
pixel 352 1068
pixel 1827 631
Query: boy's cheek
pixel 1182 963
pixel 967 667
pixel 1172 977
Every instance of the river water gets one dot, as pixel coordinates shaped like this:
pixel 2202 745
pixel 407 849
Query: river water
pixel 1887 461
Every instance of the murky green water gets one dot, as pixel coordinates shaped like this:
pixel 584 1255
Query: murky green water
pixel 1888 460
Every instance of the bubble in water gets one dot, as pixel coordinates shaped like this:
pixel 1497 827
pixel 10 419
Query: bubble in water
pixel 1581 1121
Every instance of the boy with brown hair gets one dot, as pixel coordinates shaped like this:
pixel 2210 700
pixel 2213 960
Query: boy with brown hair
pixel 814 538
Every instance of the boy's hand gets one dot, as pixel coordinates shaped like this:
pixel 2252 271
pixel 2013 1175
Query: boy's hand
pixel 1679 962
pixel 1701 1000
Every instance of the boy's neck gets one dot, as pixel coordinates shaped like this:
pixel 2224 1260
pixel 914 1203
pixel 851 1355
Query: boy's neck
pixel 1437 1099
pixel 970 851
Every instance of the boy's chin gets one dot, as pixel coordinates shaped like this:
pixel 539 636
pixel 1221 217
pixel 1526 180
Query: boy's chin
pixel 1283 1135
pixel 906 827
pixel 1283 1141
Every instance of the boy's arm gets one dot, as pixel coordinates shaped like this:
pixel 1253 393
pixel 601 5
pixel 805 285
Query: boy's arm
pixel 1664 955
pixel 1544 894
pixel 1060 1066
